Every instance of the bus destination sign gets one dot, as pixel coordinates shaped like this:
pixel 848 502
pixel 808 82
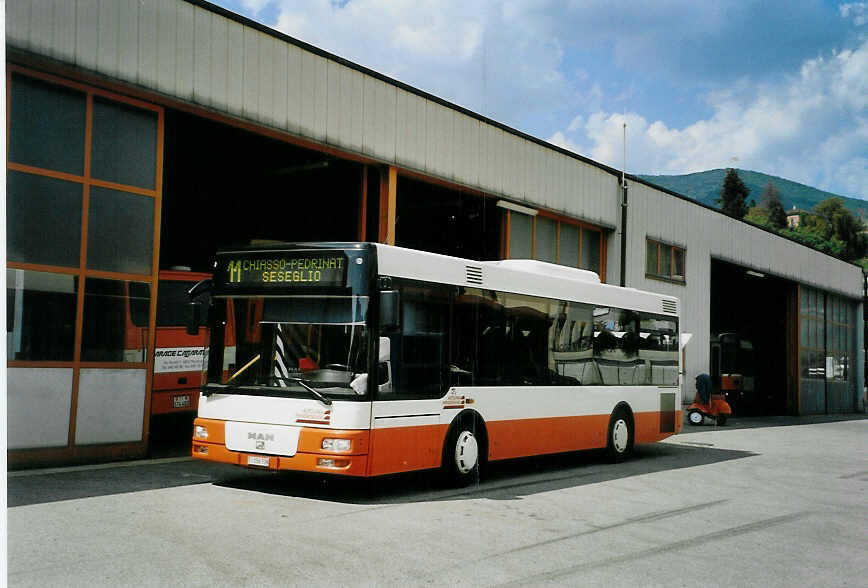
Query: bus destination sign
pixel 283 268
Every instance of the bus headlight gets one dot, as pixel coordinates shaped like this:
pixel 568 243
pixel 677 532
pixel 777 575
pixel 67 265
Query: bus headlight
pixel 200 432
pixel 337 444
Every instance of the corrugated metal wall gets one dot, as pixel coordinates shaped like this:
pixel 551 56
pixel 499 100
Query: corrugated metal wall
pixel 187 52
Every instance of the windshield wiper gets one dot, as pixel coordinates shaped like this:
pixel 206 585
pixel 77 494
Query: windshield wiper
pixel 310 389
pixel 258 390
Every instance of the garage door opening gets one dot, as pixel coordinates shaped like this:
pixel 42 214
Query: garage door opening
pixel 223 187
pixel 750 336
pixel 448 221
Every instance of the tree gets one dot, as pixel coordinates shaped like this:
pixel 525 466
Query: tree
pixel 832 220
pixel 832 229
pixel 758 216
pixel 733 195
pixel 771 201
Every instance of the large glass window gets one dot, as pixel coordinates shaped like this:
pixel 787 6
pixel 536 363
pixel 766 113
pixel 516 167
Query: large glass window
pixel 591 250
pixel 418 349
pixel 546 239
pixel 124 148
pixel 120 231
pixel 664 261
pixel 568 245
pixel 634 348
pixel 40 316
pixel 172 302
pixel 109 332
pixel 520 236
pixel 827 348
pixel 839 332
pixel 514 340
pixel 286 346
pixel 46 125
pixel 811 337
pixel 38 207
pixel 555 241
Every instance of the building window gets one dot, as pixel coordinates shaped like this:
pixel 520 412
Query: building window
pixel 555 240
pixel 83 201
pixel 663 261
pixel 827 352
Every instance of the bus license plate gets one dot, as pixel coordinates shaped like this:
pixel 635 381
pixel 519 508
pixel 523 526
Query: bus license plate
pixel 256 460
pixel 181 401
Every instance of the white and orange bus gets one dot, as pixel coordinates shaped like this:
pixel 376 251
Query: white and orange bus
pixel 365 359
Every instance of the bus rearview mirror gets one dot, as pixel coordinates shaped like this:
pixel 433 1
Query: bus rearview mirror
pixel 389 307
pixel 194 317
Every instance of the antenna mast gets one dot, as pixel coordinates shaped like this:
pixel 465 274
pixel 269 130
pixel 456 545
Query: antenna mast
pixel 624 207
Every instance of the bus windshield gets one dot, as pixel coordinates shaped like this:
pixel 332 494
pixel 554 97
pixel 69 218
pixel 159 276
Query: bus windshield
pixel 292 345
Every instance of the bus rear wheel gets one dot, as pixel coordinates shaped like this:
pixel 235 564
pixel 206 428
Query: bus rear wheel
pixel 461 455
pixel 620 439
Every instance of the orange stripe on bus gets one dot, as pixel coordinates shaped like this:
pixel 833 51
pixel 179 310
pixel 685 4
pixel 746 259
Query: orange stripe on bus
pixel 404 449
pixel 526 437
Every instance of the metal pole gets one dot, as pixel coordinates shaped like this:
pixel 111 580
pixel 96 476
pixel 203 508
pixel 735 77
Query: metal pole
pixel 624 212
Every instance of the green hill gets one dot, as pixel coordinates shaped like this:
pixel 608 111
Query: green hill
pixel 705 187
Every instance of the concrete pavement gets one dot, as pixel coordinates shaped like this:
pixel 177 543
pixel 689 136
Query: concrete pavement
pixel 739 505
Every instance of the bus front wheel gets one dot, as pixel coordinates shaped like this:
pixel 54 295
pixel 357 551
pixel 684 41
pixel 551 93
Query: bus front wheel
pixel 461 455
pixel 619 445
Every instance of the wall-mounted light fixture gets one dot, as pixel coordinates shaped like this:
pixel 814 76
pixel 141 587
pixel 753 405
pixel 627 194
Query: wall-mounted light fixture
pixel 517 207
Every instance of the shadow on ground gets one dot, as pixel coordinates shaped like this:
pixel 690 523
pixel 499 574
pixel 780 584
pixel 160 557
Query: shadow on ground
pixel 507 480
pixel 502 480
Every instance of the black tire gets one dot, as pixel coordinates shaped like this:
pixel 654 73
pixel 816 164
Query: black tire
pixel 694 417
pixel 721 420
pixel 620 438
pixel 462 454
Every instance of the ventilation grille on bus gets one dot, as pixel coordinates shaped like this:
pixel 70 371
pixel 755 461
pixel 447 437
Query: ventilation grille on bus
pixel 473 274
pixel 670 307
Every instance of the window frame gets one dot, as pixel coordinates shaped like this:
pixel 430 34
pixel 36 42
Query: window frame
pixel 87 182
pixel 671 277
pixel 559 221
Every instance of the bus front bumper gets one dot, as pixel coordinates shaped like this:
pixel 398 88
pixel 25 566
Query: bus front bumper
pixel 309 457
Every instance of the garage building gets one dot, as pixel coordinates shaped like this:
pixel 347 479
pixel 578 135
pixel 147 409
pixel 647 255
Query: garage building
pixel 145 134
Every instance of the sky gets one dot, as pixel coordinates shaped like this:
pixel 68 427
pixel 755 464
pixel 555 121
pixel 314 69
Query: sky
pixel 779 87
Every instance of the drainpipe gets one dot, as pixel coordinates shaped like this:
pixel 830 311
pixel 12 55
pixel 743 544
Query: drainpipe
pixel 624 212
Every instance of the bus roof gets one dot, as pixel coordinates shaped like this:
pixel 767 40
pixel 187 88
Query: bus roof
pixel 519 276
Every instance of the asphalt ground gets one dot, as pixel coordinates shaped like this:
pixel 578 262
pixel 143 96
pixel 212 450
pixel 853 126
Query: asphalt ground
pixel 171 466
pixel 772 502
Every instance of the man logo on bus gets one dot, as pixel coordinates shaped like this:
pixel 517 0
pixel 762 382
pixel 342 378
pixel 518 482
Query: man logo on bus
pixel 235 271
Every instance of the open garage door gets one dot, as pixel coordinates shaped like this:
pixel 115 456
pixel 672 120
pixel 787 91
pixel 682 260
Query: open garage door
pixel 752 335
pixel 225 186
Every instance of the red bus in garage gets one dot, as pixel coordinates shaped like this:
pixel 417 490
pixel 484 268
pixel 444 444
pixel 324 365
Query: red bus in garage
pixel 365 359
pixel 178 356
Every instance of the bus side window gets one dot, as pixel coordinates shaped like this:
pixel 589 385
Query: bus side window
pixel 462 339
pixel 419 350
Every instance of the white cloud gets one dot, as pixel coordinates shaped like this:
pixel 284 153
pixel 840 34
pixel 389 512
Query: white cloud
pixel 254 6
pixel 561 69
pixel 484 56
pixel 858 11
pixel 812 128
